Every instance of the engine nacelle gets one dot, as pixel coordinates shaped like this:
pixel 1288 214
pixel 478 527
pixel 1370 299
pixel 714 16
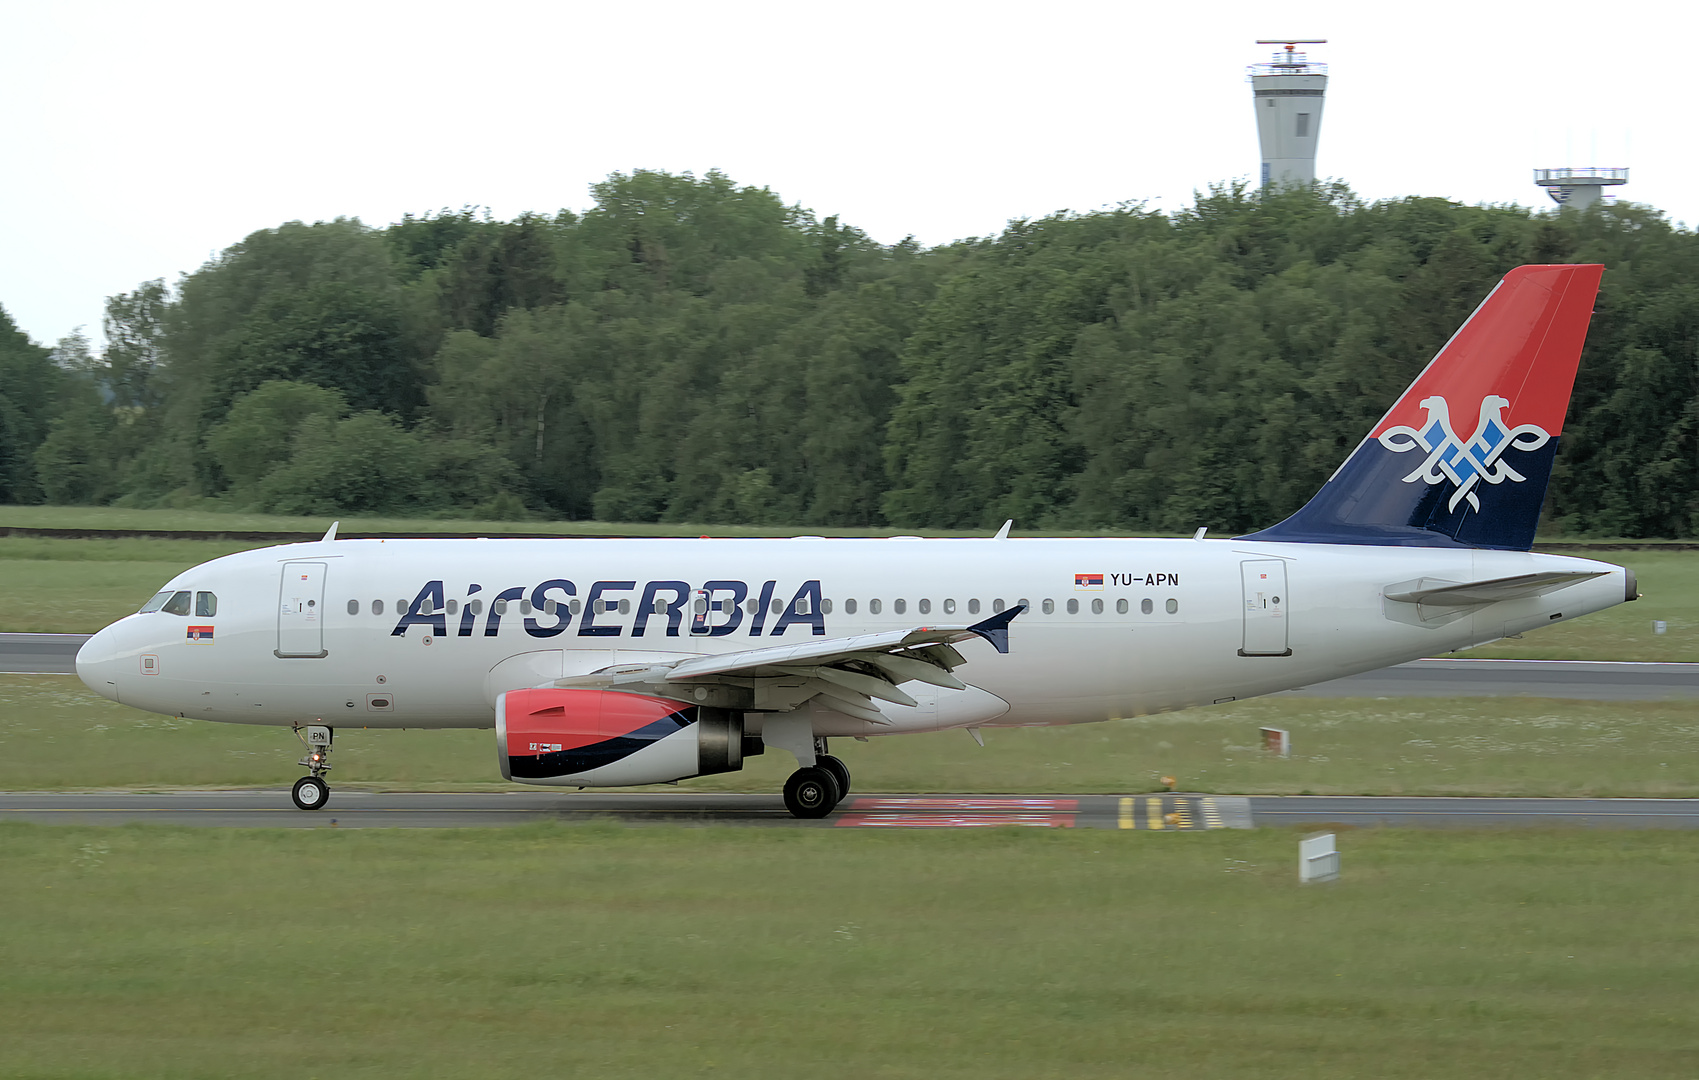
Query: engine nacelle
pixel 609 738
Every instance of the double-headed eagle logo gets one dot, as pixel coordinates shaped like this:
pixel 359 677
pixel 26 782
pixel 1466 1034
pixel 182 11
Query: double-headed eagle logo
pixel 1465 462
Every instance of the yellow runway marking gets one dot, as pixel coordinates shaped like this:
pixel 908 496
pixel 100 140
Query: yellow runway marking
pixel 1153 813
pixel 1126 820
pixel 1212 814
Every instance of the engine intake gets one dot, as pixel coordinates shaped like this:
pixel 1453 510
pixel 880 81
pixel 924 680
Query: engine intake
pixel 610 738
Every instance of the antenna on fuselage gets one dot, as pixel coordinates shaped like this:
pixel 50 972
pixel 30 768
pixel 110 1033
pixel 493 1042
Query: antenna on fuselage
pixel 1003 533
pixel 330 533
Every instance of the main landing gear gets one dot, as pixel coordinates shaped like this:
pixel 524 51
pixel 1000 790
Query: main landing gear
pixel 311 792
pixel 813 791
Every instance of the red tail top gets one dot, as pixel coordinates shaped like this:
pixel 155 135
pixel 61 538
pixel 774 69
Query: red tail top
pixel 1523 344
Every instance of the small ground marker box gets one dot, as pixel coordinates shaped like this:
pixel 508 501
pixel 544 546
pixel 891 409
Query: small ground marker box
pixel 1318 859
pixel 1277 741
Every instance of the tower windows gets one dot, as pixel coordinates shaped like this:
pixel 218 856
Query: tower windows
pixel 1303 124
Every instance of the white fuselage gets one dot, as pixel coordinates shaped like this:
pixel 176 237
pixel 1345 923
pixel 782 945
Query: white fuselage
pixel 1102 661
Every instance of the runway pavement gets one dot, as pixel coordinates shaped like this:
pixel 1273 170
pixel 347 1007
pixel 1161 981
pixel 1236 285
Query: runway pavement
pixel 40 654
pixel 45 654
pixel 1181 812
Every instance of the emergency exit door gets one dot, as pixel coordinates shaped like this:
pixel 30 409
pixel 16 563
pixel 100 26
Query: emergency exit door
pixel 300 610
pixel 1265 608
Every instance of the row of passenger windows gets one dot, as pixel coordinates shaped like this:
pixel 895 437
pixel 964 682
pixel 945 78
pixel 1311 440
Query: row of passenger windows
pixel 177 603
pixel 662 607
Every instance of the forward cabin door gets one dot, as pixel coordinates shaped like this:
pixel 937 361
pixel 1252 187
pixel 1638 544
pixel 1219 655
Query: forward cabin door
pixel 300 610
pixel 1265 607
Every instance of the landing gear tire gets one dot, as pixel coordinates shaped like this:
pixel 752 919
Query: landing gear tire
pixel 811 792
pixel 839 771
pixel 310 793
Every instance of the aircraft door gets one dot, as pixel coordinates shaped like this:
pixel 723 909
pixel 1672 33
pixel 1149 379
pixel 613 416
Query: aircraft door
pixel 300 610
pixel 1265 608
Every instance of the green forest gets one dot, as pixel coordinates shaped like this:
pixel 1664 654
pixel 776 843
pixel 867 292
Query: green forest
pixel 689 349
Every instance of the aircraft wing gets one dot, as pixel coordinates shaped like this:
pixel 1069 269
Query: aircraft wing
pixel 1434 592
pixel 848 673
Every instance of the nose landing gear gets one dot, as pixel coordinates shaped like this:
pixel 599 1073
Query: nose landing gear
pixel 311 792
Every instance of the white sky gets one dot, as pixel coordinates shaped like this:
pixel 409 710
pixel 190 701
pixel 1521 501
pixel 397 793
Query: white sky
pixel 143 137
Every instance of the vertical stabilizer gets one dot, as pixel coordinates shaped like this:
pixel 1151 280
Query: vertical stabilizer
pixel 1464 457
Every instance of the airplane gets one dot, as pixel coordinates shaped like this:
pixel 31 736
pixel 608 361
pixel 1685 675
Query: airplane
pixel 620 662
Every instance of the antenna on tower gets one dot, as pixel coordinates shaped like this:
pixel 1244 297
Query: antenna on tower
pixel 1288 92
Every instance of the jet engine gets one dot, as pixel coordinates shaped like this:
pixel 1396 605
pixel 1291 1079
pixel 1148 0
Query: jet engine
pixel 611 738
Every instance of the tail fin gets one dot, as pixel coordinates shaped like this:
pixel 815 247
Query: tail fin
pixel 1504 379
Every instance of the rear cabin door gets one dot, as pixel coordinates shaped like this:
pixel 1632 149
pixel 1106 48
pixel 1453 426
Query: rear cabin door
pixel 1265 608
pixel 300 610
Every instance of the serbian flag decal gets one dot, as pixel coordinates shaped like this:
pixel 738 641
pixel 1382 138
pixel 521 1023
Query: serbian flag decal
pixel 200 635
pixel 1088 581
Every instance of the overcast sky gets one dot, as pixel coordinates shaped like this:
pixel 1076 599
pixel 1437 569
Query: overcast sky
pixel 143 137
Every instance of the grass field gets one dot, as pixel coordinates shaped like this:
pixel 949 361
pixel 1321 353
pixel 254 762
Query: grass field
pixel 55 734
pixel 605 951
pixel 78 586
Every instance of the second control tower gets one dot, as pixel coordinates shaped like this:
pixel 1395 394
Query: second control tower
pixel 1289 91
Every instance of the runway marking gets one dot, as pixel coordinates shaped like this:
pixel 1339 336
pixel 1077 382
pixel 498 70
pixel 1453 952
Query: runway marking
pixel 1212 814
pixel 932 813
pixel 1153 813
pixel 1126 818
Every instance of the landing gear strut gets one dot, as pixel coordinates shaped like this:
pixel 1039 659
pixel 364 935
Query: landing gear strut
pixel 311 792
pixel 813 791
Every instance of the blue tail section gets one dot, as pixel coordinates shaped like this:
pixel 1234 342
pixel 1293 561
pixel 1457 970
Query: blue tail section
pixel 1505 377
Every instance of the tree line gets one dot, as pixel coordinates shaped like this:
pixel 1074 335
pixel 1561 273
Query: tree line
pixel 693 350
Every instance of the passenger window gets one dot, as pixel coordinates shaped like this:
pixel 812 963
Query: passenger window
pixel 949 607
pixel 754 607
pixel 997 606
pixel 1025 603
pixel 899 606
pixel 778 607
pixel 802 605
pixel 1173 606
pixel 353 607
pixel 1073 607
pixel 402 607
pixel 178 604
pixel 549 606
pixel 575 606
pixel 1120 607
pixel 926 607
pixel 477 607
pixel 377 607
pixel 825 607
pixel 660 606
pixel 1145 607
pixel 206 605
pixel 873 607
pixel 525 607
pixel 1097 607
pixel 1050 607
pixel 156 603
pixel 453 607
pixel 625 607
pixel 501 607
pixel 973 607
pixel 849 606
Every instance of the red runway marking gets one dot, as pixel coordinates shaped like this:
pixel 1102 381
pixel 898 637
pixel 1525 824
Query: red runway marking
pixel 945 805
pixel 953 820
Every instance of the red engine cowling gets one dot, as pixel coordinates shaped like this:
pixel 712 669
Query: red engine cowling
pixel 609 738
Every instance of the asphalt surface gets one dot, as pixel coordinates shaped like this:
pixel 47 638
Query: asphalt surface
pixel 40 654
pixel 271 808
pixel 53 654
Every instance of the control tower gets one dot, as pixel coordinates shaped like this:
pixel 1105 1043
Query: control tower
pixel 1288 93
pixel 1579 188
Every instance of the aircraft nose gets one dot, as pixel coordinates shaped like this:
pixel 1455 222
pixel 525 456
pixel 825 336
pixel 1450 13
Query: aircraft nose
pixel 97 663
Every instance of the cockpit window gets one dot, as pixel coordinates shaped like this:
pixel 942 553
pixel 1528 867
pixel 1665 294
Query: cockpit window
pixel 156 603
pixel 206 605
pixel 178 604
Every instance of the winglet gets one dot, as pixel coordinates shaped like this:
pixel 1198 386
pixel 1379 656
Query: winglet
pixel 1003 533
pixel 996 628
pixel 330 533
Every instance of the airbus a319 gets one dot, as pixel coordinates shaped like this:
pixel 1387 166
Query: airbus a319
pixel 629 662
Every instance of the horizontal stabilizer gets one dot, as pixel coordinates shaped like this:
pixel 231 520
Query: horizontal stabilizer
pixel 1434 592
